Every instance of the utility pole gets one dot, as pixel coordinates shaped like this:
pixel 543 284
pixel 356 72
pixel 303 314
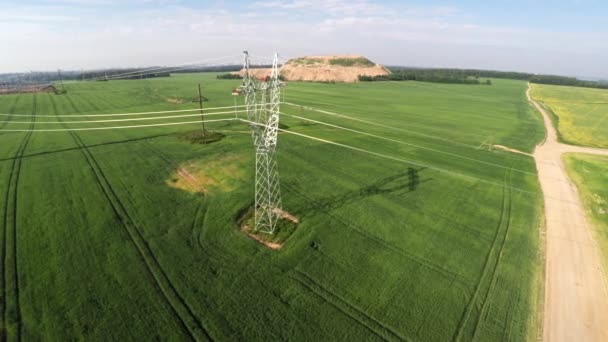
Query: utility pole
pixel 235 93
pixel 200 102
pixel 60 79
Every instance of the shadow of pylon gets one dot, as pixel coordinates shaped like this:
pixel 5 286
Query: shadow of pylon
pixel 400 183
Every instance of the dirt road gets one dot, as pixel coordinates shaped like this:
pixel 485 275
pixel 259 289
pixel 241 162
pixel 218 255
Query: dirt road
pixel 576 291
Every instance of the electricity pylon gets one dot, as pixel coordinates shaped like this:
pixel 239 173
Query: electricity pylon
pixel 264 125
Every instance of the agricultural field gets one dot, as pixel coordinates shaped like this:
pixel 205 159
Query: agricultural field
pixel 590 174
pixel 580 114
pixel 434 235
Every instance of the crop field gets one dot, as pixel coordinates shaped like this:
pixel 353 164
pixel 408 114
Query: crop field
pixel 581 113
pixel 424 233
pixel 590 174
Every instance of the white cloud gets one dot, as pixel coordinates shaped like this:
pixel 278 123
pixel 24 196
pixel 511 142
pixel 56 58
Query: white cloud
pixel 75 37
pixel 331 7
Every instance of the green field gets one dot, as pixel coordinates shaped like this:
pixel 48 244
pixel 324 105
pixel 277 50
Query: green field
pixel 105 242
pixel 590 174
pixel 581 114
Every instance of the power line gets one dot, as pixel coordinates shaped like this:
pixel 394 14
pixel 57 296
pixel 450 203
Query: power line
pixel 395 128
pixel 459 174
pixel 137 72
pixel 171 70
pixel 280 59
pixel 409 144
pixel 412 132
pixel 302 97
pixel 380 125
pixel 118 120
pixel 123 114
pixel 293 133
pixel 429 126
pixel 115 127
pixel 423 126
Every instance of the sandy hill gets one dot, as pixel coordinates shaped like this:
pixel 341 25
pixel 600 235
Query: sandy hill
pixel 336 68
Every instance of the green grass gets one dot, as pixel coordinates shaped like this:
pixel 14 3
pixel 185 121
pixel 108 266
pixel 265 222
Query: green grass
pixel 103 246
pixel 348 62
pixel 580 114
pixel 590 174
pixel 305 61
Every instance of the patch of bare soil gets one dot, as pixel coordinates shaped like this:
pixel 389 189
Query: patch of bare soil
pixel 508 149
pixel 222 174
pixel 174 100
pixel 272 245
pixel 285 227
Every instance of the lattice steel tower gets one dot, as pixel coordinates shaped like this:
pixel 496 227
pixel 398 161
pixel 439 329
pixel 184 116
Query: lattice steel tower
pixel 262 101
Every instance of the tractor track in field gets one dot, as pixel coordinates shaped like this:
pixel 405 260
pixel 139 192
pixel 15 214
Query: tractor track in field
pixel 491 262
pixel 11 110
pixel 118 142
pixel 199 215
pixel 373 325
pixel 385 244
pixel 11 314
pixel 460 199
pixel 485 305
pixel 180 309
pixel 173 164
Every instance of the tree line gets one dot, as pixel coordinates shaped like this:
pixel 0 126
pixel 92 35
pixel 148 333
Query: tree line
pixel 568 81
pixel 473 76
pixel 454 76
pixel 229 76
pixel 48 77
pixel 438 75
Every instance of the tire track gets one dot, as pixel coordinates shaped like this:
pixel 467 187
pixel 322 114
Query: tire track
pixel 485 306
pixel 200 214
pixel 9 282
pixel 37 154
pixel 11 110
pixel 180 309
pixel 385 244
pixel 491 262
pixel 373 325
pixel 172 164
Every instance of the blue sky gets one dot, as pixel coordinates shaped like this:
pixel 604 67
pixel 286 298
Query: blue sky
pixel 558 37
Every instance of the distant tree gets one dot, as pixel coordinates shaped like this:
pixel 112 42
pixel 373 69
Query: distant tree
pixel 229 77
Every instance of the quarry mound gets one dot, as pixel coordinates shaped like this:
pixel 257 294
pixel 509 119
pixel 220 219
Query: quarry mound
pixel 334 68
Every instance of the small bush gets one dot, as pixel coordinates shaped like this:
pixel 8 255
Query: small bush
pixel 229 77
pixel 348 62
pixel 306 61
pixel 197 137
